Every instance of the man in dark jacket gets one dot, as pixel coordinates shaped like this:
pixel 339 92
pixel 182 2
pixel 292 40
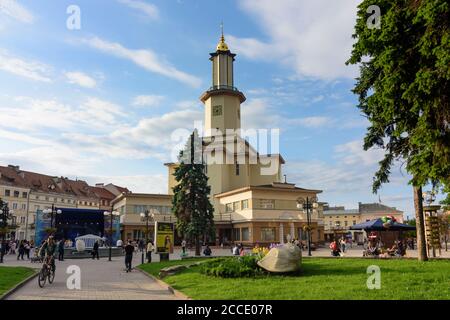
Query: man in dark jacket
pixel 61 250
pixel 129 249
pixel 95 251
pixel 2 250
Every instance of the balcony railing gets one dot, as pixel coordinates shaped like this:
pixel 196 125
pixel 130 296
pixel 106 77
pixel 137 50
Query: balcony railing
pixel 223 87
pixel 222 217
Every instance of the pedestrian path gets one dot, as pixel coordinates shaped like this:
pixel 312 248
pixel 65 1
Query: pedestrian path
pixel 100 280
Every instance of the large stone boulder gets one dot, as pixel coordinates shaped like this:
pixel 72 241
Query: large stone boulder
pixel 80 245
pixel 287 258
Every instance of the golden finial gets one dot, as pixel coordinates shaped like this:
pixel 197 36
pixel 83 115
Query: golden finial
pixel 222 46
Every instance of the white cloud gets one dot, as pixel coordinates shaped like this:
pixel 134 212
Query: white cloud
pixel 352 153
pixel 15 10
pixel 92 113
pixel 188 104
pixel 312 37
pixel 144 58
pixel 28 69
pixel 258 113
pixel 99 112
pixel 312 122
pixel 149 10
pixel 157 131
pixel 252 48
pixel 156 183
pixel 94 126
pixel 147 101
pixel 81 79
pixel 53 159
pixel 318 98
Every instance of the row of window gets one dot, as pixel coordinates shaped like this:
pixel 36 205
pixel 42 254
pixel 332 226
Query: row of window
pixel 338 223
pixel 330 217
pixel 241 205
pixel 15 205
pixel 237 205
pixel 137 209
pixel 241 234
pixel 15 194
pixel 268 234
pixel 87 203
pixel 54 199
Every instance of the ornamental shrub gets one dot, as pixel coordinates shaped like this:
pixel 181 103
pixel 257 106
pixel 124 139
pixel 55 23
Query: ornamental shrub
pixel 233 267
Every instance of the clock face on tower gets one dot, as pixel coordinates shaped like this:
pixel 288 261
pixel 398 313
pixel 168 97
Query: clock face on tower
pixel 217 110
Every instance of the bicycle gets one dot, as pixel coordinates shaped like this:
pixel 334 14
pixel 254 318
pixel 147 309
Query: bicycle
pixel 46 272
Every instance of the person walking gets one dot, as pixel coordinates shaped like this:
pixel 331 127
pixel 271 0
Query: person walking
pixel 12 247
pixel 27 249
pixel 21 250
pixel 95 251
pixel 183 246
pixel 342 242
pixel 129 249
pixel 61 250
pixel 141 245
pixel 3 250
pixel 150 248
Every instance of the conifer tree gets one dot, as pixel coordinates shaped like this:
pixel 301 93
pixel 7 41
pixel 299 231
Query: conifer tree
pixel 403 90
pixel 190 204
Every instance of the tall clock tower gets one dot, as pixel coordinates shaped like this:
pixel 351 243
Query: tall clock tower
pixel 222 100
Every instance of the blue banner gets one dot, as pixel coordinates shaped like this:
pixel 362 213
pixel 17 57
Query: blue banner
pixel 42 223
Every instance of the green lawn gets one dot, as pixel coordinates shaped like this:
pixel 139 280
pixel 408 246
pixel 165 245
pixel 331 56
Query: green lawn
pixel 11 276
pixel 322 278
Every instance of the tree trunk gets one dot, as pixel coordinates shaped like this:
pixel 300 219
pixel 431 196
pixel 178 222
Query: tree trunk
pixel 420 225
pixel 197 246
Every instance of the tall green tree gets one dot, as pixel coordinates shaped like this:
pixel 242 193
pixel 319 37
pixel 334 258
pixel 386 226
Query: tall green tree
pixel 403 90
pixel 190 204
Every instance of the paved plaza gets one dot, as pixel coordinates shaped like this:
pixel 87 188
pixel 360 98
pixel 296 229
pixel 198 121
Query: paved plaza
pixel 100 280
pixel 104 280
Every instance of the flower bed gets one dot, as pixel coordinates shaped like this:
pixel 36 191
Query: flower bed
pixel 233 267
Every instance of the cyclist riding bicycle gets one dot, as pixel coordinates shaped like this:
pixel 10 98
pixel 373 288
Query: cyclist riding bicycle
pixel 48 250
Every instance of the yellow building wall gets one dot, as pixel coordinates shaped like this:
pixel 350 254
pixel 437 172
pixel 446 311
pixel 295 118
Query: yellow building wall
pixel 230 118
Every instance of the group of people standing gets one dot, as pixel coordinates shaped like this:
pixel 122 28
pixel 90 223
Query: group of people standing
pixel 20 248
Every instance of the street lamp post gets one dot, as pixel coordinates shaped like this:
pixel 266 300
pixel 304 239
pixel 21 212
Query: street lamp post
pixel 146 216
pixel 429 197
pixel 53 212
pixel 111 215
pixel 5 215
pixel 307 205
pixel 430 227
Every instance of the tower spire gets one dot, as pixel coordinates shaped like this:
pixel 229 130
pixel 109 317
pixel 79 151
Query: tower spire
pixel 222 46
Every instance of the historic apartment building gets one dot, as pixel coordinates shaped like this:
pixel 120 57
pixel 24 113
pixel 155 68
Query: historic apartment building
pixel 338 220
pixel 131 205
pixel 26 192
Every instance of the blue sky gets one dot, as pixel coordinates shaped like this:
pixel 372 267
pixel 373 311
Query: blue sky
pixel 100 103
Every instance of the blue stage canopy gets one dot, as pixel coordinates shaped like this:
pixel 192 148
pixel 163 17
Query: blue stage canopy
pixel 377 225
